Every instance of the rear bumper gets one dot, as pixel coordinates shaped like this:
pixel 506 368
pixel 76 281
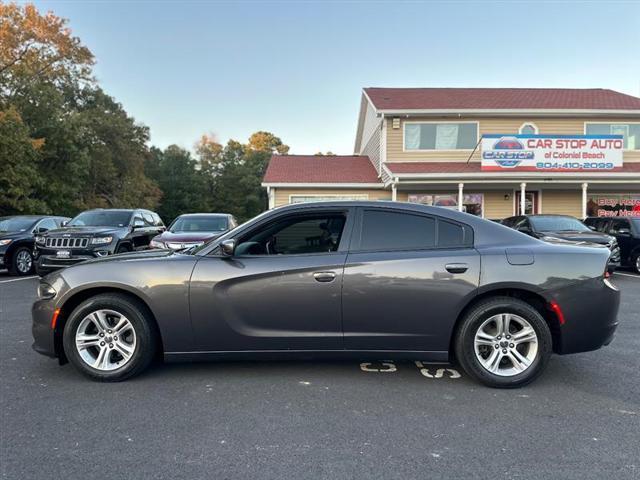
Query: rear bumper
pixel 590 310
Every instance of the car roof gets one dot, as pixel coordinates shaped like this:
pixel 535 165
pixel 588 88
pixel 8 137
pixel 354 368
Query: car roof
pixel 205 215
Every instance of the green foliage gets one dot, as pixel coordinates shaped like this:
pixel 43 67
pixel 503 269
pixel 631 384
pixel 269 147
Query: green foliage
pixel 19 176
pixel 183 186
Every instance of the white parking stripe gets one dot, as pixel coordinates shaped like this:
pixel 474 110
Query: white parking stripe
pixel 627 275
pixel 18 279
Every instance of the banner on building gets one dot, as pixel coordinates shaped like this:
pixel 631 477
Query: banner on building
pixel 555 153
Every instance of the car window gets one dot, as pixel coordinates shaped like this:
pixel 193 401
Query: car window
pixel 48 223
pixel 508 221
pixel 450 234
pixel 138 220
pixel 157 220
pixel 522 224
pixel 619 224
pixel 148 219
pixel 295 235
pixel 394 230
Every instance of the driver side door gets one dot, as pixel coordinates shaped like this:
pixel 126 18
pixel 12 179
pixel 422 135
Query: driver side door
pixel 280 291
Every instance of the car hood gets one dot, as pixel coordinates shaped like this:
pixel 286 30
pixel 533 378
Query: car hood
pixel 589 237
pixel 13 235
pixel 186 237
pixel 83 231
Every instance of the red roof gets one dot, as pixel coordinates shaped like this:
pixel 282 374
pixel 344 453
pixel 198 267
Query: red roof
pixel 472 167
pixel 320 169
pixel 500 98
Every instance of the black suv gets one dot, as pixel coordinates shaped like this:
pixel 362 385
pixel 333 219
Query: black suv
pixel 17 239
pixel 96 233
pixel 564 228
pixel 626 230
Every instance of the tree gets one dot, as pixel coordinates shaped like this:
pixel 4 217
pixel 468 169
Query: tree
pixel 19 177
pixel 36 47
pixel 267 142
pixel 183 186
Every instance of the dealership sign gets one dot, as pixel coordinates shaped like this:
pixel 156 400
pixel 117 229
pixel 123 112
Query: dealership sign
pixel 551 152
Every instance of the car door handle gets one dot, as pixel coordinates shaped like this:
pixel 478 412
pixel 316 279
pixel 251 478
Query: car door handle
pixel 456 267
pixel 324 276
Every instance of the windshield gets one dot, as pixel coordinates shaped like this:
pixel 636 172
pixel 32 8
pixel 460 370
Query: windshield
pixel 101 219
pixel 558 224
pixel 634 221
pixel 15 224
pixel 199 224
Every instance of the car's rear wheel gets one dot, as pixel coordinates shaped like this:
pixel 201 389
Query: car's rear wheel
pixel 635 262
pixel 22 261
pixel 110 338
pixel 503 342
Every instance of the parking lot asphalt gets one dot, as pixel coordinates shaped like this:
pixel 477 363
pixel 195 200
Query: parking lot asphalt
pixel 310 420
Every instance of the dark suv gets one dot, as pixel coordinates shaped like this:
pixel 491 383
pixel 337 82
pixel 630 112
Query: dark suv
pixel 96 233
pixel 626 230
pixel 17 240
pixel 564 228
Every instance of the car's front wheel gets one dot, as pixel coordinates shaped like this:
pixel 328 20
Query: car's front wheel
pixel 110 338
pixel 503 342
pixel 22 261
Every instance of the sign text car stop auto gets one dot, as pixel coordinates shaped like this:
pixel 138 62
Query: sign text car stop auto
pixel 551 152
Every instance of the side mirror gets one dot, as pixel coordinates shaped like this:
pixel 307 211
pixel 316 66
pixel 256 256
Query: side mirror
pixel 624 231
pixel 228 247
pixel 138 224
pixel 41 230
pixel 64 223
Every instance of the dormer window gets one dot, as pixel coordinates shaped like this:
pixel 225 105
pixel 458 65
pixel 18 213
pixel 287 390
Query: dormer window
pixel 528 129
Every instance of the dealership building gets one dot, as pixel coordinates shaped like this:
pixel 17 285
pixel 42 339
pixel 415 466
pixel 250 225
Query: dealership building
pixel 492 152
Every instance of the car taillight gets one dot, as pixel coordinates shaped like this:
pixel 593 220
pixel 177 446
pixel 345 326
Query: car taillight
pixel 607 273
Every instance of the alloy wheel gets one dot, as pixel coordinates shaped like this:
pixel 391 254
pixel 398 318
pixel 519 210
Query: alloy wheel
pixel 506 344
pixel 24 262
pixel 105 340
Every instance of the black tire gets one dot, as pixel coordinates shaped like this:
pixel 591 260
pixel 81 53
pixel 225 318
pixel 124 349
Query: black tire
pixel 635 262
pixel 465 341
pixel 18 259
pixel 143 326
pixel 122 249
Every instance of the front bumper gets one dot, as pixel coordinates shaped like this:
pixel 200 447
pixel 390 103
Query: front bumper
pixel 590 310
pixel 43 335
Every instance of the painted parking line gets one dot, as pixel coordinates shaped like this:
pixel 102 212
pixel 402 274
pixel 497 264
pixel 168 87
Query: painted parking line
pixel 627 275
pixel 18 279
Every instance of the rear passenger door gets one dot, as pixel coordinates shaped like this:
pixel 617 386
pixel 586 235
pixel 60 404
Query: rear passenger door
pixel 406 279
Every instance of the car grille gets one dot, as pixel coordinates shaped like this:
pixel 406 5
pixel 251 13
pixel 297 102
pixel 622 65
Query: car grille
pixel 67 242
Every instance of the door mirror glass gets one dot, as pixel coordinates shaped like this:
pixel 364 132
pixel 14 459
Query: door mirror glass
pixel 42 229
pixel 228 247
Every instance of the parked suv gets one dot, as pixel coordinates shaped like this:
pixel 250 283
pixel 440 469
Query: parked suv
pixel 96 233
pixel 17 239
pixel 626 230
pixel 564 228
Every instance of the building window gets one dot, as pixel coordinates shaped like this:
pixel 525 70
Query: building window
pixel 326 198
pixel 440 136
pixel 471 202
pixel 629 131
pixel 613 205
pixel 528 129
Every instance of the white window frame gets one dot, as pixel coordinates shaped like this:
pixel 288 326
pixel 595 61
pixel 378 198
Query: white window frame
pixel 530 124
pixel 612 123
pixel 361 196
pixel 423 122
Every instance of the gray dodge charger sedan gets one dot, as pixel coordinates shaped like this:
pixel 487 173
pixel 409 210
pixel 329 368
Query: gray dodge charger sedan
pixel 361 280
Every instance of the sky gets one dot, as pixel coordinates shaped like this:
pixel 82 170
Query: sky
pixel 297 68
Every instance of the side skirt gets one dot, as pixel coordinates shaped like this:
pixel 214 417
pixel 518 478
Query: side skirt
pixel 284 355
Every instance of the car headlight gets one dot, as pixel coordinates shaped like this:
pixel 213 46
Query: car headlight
pixel 6 241
pixel 46 291
pixel 40 240
pixel 157 244
pixel 98 240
